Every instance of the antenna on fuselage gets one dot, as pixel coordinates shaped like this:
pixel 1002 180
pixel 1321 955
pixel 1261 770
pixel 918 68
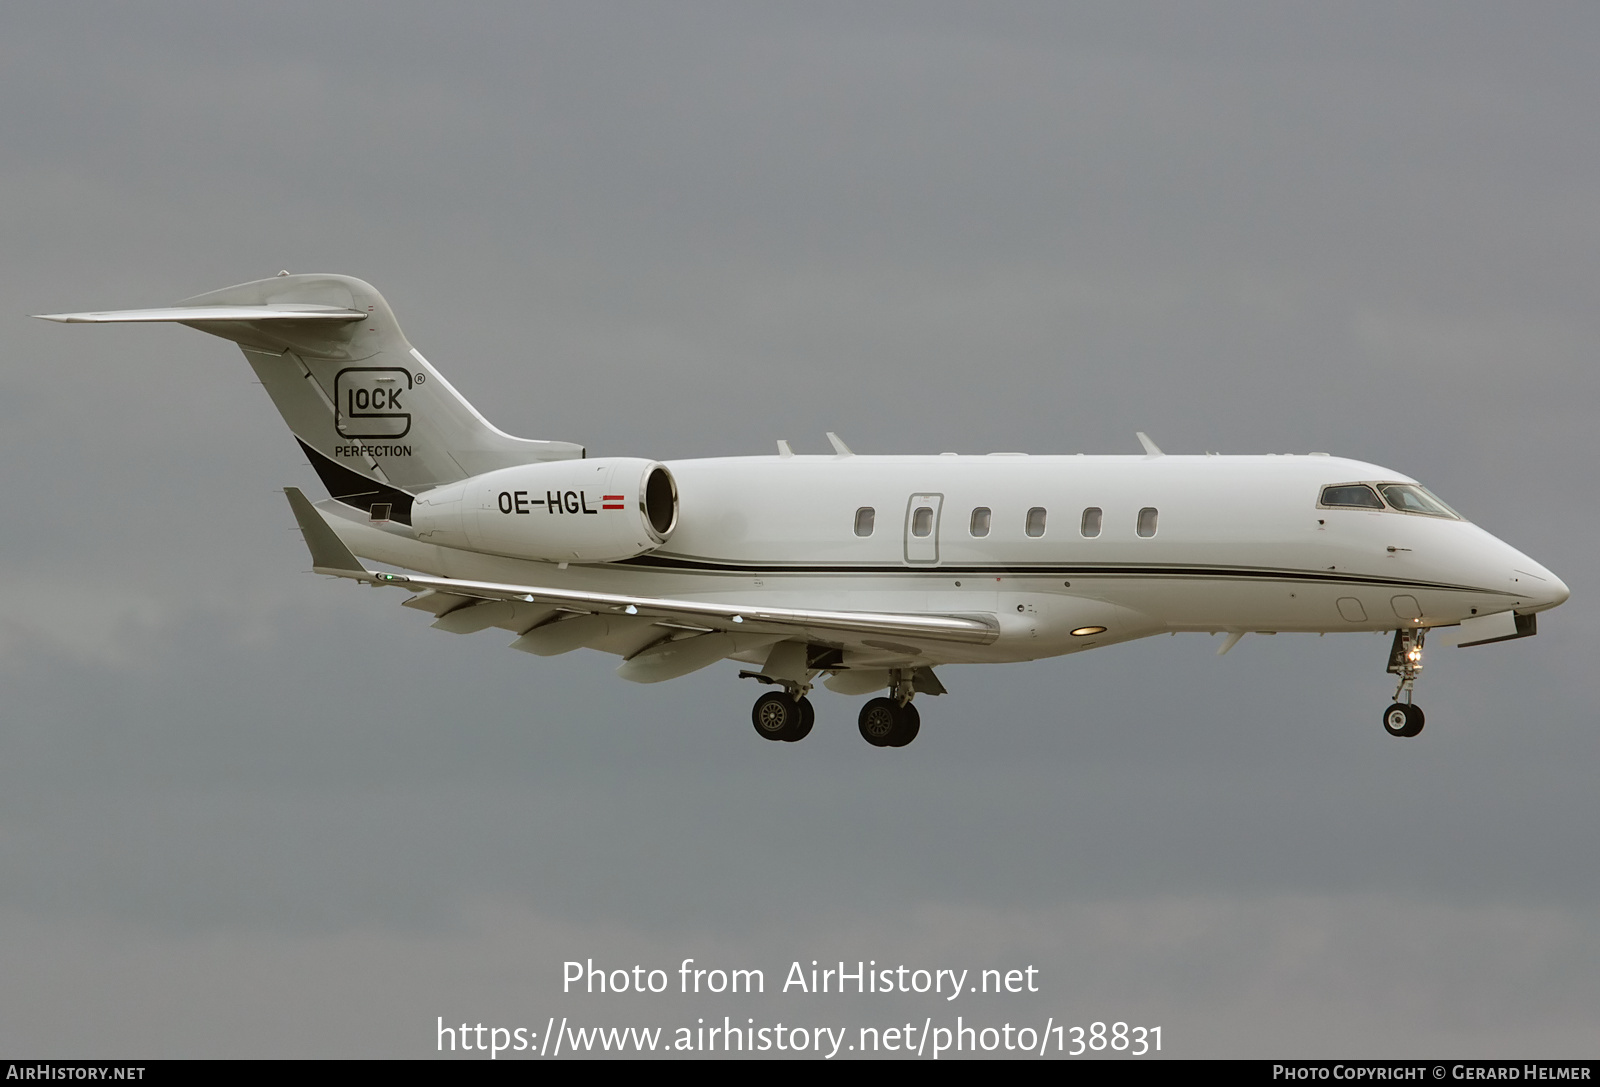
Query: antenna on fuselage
pixel 1151 449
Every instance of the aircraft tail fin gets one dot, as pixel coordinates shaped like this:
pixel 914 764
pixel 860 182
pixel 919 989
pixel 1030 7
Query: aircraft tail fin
pixel 378 422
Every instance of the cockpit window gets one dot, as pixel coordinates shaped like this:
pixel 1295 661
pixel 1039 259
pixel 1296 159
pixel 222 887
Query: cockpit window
pixel 1410 498
pixel 1403 497
pixel 1357 495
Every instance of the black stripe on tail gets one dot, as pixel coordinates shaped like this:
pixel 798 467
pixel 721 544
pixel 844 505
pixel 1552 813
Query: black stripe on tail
pixel 355 489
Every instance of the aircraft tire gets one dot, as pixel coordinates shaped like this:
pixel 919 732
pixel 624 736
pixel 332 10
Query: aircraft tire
pixel 879 721
pixel 808 717
pixel 776 716
pixel 1403 719
pixel 1416 725
pixel 909 725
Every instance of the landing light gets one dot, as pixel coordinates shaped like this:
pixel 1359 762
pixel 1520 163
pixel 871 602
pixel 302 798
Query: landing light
pixel 1084 632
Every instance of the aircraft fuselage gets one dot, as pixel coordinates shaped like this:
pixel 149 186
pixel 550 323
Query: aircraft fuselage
pixel 1226 543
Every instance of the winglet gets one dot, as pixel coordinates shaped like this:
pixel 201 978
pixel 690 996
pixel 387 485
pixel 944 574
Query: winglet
pixel 1151 449
pixel 329 555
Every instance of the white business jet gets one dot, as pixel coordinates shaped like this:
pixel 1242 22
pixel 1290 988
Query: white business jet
pixel 867 572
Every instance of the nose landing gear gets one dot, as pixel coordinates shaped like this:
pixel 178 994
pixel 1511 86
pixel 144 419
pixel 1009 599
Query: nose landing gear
pixel 1403 719
pixel 1405 660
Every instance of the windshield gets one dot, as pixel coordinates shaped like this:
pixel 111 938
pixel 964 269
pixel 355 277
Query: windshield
pixel 1403 497
pixel 1410 498
pixel 1357 495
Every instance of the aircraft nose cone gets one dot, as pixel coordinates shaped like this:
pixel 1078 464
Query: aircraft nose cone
pixel 1557 592
pixel 1543 588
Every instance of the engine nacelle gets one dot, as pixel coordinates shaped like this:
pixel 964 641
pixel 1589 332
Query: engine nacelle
pixel 598 510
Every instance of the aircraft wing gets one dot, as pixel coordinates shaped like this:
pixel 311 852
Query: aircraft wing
pixel 329 555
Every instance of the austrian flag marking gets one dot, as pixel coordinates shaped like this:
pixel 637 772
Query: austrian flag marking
pixel 606 501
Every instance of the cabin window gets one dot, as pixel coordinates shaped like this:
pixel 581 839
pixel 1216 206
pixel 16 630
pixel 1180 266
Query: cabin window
pixel 1354 495
pixel 1091 522
pixel 1035 522
pixel 1147 521
pixel 980 521
pixel 864 518
pixel 922 521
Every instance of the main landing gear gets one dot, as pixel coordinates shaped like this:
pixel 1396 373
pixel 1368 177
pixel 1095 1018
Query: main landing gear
pixel 779 715
pixel 1405 660
pixel 892 721
pixel 887 723
pixel 884 722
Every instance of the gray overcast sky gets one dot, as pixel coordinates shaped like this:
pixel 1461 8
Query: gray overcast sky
pixel 247 811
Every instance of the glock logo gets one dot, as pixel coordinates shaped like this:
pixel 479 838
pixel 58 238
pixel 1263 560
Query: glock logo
pixel 369 402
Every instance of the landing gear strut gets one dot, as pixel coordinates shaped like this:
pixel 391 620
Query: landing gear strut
pixel 1405 660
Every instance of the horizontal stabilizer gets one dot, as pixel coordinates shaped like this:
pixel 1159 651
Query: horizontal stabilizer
pixel 329 555
pixel 199 315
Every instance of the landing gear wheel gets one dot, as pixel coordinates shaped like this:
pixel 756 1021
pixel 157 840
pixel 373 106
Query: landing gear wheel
pixel 1403 719
pixel 779 717
pixel 1417 719
pixel 879 721
pixel 808 717
pixel 886 723
pixel 910 725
